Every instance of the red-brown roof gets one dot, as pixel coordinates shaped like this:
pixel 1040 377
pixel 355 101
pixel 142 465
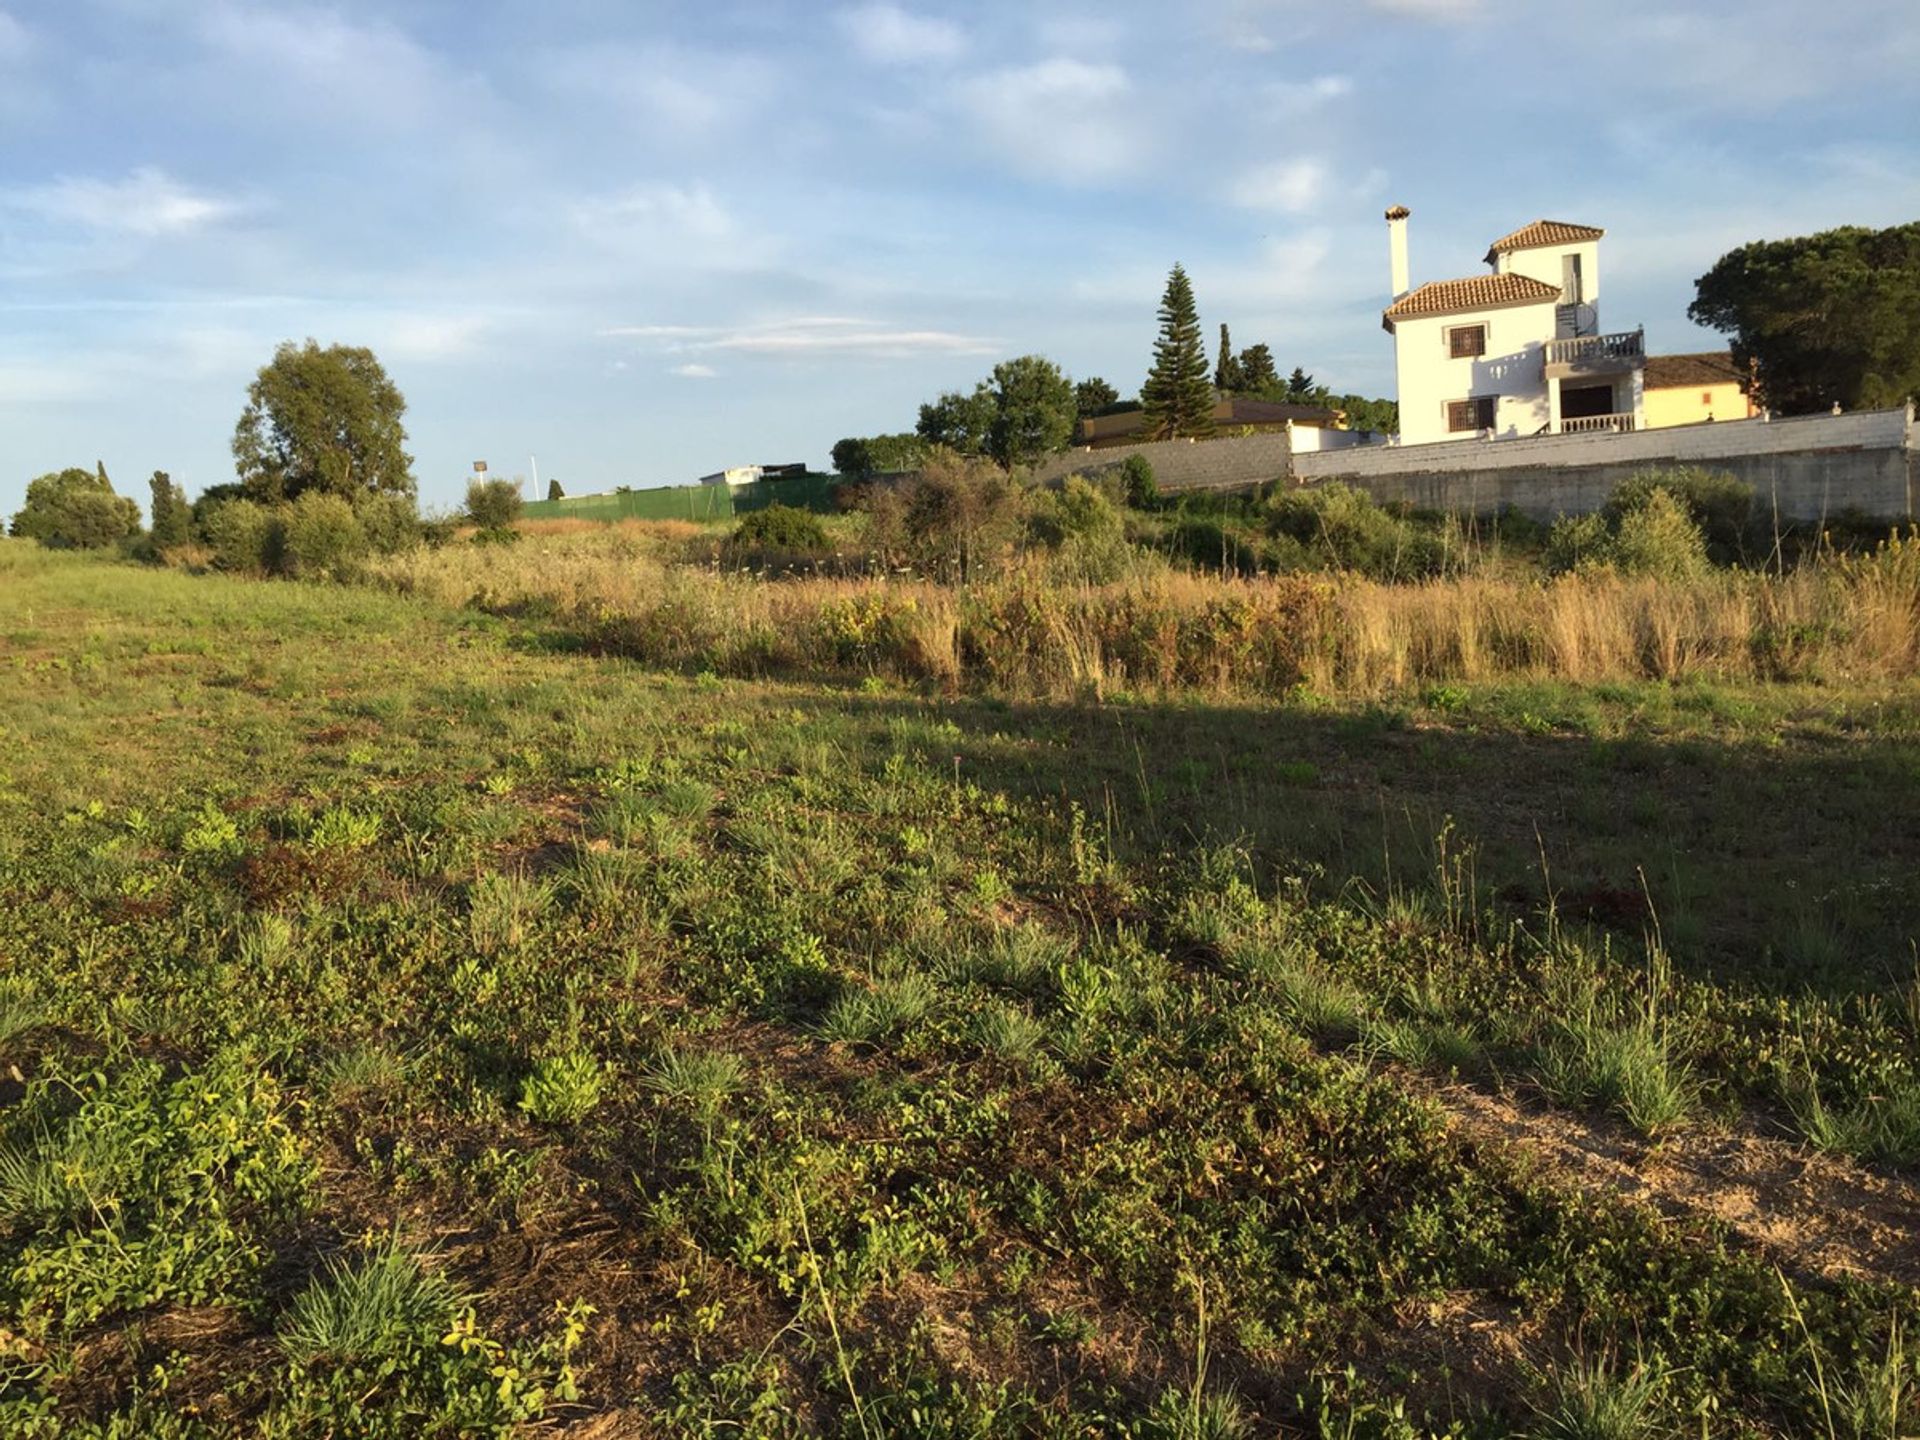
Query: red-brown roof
pixel 1543 232
pixel 1683 372
pixel 1476 292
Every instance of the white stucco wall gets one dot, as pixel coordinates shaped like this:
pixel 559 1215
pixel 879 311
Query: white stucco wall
pixel 1543 263
pixel 1514 369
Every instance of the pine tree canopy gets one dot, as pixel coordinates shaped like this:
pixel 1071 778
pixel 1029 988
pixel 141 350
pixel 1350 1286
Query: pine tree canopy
pixel 1178 395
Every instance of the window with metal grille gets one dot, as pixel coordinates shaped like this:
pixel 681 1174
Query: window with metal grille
pixel 1474 414
pixel 1466 341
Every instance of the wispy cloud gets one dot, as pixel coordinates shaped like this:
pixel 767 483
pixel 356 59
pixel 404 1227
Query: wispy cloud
pixel 148 203
pixel 807 336
pixel 694 370
pixel 1291 187
pixel 691 211
pixel 1067 120
pixel 889 35
pixel 1446 10
pixel 1292 97
pixel 15 39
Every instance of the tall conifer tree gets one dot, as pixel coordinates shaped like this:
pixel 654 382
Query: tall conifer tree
pixel 1228 376
pixel 1178 395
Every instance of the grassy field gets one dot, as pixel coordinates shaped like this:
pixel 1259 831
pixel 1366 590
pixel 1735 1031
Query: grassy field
pixel 413 1023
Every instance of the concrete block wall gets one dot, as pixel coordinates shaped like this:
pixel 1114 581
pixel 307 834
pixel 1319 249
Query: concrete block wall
pixel 1221 464
pixel 1808 466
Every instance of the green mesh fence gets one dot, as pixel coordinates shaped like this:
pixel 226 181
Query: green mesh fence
pixel 690 502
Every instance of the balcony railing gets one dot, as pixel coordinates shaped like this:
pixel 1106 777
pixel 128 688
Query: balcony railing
pixel 1627 345
pixel 1591 424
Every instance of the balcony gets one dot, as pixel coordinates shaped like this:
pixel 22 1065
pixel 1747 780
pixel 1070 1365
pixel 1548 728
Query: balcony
pixel 1596 354
pixel 1597 424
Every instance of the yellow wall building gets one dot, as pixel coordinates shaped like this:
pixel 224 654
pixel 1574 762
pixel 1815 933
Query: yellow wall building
pixel 1687 389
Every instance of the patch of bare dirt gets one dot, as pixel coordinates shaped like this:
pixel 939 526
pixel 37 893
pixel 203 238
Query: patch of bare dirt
pixel 1804 1211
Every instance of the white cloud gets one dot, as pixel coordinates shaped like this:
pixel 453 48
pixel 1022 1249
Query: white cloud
pixel 1294 96
pixel 694 94
pixel 15 39
pixel 433 337
pixel 888 35
pixel 1291 187
pixel 688 211
pixel 804 337
pixel 694 370
pixel 1062 119
pixel 147 203
pixel 1430 9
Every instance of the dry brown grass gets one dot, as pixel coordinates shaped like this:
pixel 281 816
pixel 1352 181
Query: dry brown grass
pixel 1029 633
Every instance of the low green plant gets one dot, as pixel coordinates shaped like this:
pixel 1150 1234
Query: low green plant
pixel 1594 1399
pixel 701 1080
pixel 377 1304
pixel 145 1189
pixel 321 537
pixel 563 1089
pixel 1010 1033
pixel 1884 1126
pixel 879 1011
pixel 501 907
pixel 1628 1068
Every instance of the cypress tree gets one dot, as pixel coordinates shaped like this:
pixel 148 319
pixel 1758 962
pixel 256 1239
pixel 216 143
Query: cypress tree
pixel 1178 396
pixel 1229 377
pixel 172 520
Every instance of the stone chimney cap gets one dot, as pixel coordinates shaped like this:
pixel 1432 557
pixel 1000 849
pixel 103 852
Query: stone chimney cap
pixel 1398 212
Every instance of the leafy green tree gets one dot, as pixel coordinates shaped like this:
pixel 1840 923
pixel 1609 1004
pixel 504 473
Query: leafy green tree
pixel 1094 396
pixel 1034 410
pixel 960 423
pixel 493 505
pixel 861 456
pixel 1257 370
pixel 322 419
pixel 76 509
pixel 1821 319
pixel 171 516
pixel 1178 395
pixel 1228 376
pixel 1366 413
pixel 554 492
pixel 1300 387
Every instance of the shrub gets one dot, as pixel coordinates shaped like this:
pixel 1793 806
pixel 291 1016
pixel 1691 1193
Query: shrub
pixel 1084 528
pixel 1716 502
pixel 1143 491
pixel 1659 538
pixel 958 519
pixel 76 509
pixel 1345 529
pixel 1654 535
pixel 781 527
pixel 244 536
pixel 321 537
pixel 391 523
pixel 494 504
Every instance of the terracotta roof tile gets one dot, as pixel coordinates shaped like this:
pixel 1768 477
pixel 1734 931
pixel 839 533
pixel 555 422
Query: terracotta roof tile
pixel 1672 372
pixel 1476 292
pixel 1543 232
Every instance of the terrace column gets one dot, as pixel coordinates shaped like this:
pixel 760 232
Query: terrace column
pixel 1553 405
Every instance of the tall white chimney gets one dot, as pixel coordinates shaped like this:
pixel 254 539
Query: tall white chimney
pixel 1397 248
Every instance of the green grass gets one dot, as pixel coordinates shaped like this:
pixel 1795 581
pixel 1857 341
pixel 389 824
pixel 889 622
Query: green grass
pixel 857 1089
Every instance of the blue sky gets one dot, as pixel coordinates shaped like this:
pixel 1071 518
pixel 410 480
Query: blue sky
pixel 646 240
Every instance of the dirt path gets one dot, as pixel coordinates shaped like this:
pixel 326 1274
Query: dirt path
pixel 1805 1211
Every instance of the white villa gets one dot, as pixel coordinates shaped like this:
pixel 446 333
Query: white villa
pixel 1518 351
